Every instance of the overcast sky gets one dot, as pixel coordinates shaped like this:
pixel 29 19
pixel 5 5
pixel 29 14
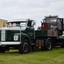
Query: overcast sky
pixel 34 9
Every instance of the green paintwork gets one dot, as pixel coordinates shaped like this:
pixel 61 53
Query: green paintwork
pixel 29 33
pixel 10 35
pixel 40 33
pixel 0 35
pixel 24 36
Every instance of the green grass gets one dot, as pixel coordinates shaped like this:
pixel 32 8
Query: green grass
pixel 55 56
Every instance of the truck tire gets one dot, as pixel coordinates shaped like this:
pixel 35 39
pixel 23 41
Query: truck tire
pixel 48 44
pixel 62 45
pixel 2 49
pixel 25 47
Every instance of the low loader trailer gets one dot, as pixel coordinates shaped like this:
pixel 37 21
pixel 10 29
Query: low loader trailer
pixel 22 35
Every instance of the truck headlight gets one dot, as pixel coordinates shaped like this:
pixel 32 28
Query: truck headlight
pixel 15 37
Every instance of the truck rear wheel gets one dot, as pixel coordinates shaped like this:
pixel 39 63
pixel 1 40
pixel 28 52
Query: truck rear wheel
pixel 62 45
pixel 25 46
pixel 48 44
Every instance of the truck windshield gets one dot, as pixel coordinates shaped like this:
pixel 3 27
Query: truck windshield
pixel 22 24
pixel 17 24
pixel 53 20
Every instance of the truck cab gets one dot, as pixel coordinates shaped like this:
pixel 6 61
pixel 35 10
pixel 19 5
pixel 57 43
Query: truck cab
pixel 17 34
pixel 54 26
pixel 53 22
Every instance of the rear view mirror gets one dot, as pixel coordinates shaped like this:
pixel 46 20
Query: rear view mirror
pixel 33 23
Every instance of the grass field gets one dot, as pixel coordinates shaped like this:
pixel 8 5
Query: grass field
pixel 55 56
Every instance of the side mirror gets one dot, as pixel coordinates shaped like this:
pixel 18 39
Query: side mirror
pixel 33 23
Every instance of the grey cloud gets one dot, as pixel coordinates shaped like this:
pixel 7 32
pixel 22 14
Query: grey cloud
pixel 36 9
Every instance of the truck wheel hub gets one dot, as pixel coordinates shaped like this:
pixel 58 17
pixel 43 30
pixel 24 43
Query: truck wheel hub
pixel 25 47
pixel 49 45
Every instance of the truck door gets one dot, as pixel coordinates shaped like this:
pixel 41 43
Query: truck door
pixel 60 26
pixel 30 29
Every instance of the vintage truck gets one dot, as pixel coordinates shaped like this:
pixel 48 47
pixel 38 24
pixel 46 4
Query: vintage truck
pixel 21 35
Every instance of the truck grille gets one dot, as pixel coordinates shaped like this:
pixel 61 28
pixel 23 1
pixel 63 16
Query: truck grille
pixel 3 35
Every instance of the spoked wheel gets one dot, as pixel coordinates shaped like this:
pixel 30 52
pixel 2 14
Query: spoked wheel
pixel 48 44
pixel 25 46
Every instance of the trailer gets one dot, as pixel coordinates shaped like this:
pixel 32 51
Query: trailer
pixel 21 35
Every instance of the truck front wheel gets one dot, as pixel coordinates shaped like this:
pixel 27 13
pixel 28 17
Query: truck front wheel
pixel 25 46
pixel 2 49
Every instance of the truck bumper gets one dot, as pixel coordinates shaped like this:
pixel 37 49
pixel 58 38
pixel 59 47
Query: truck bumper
pixel 10 43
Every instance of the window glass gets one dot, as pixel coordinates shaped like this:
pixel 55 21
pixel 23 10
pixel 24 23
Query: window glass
pixel 14 24
pixel 17 24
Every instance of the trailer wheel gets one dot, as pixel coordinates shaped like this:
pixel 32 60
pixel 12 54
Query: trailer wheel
pixel 48 44
pixel 2 49
pixel 25 47
pixel 62 45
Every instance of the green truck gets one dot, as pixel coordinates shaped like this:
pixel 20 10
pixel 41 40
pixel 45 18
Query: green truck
pixel 21 35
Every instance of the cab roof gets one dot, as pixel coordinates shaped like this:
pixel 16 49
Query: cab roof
pixel 18 21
